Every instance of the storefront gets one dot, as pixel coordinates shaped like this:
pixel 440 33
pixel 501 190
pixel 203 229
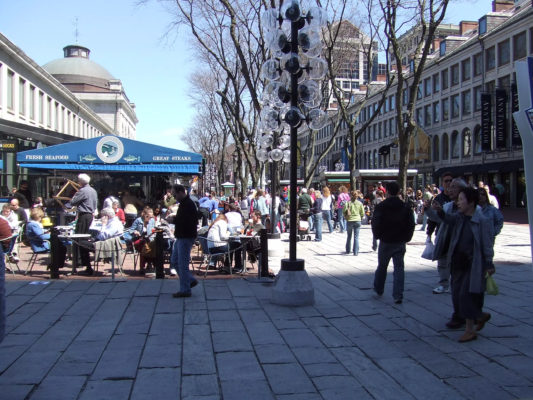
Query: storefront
pixel 115 165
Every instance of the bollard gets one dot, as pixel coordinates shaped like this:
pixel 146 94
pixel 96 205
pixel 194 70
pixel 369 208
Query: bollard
pixel 54 250
pixel 264 253
pixel 159 255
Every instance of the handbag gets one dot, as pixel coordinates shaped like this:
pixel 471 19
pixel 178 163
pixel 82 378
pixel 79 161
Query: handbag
pixel 491 287
pixel 148 249
pixel 428 250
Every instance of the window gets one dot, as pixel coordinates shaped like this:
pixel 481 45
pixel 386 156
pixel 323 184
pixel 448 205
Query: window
pixel 427 115
pixel 466 102
pixel 436 112
pixel 467 142
pixel 10 89
pixel 392 102
pixel 477 139
pixel 435 147
pixel 454 70
pixel 385 128
pixel 418 116
pixel 478 64
pixel 465 67
pixel 49 122
pixel 405 95
pixel 22 96
pixel 32 102
pixel 455 144
pixel 41 107
pixel 490 58
pixel 445 147
pixel 483 25
pixel 419 91
pixel 519 46
pixel 504 53
pixel 355 85
pixel 427 87
pixel 345 84
pixel 436 83
pixel 444 79
pixel 477 98
pixel 379 130
pixel 455 106
pixel 445 109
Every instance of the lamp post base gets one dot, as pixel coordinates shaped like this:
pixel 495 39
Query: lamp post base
pixel 293 286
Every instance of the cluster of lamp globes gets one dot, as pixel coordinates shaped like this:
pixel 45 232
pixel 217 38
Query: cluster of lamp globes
pixel 305 65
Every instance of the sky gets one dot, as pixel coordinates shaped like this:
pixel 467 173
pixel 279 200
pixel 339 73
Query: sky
pixel 128 39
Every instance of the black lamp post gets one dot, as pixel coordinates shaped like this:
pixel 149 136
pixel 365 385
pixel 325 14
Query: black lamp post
pixel 291 73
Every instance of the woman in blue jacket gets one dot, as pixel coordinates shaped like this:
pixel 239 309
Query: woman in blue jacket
pixel 36 235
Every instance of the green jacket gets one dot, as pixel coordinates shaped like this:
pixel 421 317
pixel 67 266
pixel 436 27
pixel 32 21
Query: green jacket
pixel 304 202
pixel 354 211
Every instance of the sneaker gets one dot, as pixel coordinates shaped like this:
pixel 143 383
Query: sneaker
pixel 441 289
pixel 173 272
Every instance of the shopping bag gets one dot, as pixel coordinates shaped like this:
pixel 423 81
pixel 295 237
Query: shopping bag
pixel 428 250
pixel 492 287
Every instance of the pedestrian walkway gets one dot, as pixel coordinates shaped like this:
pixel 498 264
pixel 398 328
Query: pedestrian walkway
pixel 84 339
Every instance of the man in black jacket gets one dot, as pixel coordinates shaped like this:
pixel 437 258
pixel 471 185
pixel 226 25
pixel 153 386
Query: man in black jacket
pixel 393 224
pixel 185 231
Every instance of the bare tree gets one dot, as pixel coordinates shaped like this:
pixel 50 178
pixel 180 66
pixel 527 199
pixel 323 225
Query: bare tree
pixel 427 15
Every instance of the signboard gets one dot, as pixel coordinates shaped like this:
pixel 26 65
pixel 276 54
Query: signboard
pixel 8 146
pixel 486 121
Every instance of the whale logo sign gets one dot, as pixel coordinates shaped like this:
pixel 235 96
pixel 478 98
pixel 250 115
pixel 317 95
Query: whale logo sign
pixel 109 149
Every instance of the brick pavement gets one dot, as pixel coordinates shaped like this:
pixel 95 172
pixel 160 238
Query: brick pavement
pixel 83 339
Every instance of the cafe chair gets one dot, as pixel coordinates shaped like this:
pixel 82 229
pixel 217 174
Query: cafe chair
pixel 106 250
pixel 35 254
pixel 217 258
pixel 10 264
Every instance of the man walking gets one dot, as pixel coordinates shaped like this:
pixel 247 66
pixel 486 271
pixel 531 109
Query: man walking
pixel 85 200
pixel 393 225
pixel 185 223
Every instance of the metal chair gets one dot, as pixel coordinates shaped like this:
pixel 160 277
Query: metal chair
pixel 218 257
pixel 34 256
pixel 7 259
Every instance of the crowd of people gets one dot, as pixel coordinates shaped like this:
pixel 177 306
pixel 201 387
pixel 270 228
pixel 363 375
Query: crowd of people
pixel 462 219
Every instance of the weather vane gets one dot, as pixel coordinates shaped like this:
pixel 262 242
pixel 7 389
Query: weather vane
pixel 76 31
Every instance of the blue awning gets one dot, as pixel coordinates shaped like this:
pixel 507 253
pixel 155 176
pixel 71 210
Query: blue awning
pixel 111 153
pixel 168 168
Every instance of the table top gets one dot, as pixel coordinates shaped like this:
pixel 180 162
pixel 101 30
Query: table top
pixel 76 236
pixel 64 227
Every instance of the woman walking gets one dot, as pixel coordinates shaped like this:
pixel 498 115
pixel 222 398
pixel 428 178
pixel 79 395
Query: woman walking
pixel 327 203
pixel 316 212
pixel 354 213
pixel 470 254
pixel 342 199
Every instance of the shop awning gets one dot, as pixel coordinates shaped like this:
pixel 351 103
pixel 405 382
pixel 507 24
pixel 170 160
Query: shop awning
pixel 111 153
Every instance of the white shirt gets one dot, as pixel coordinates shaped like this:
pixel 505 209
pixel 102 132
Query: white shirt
pixel 326 203
pixel 234 219
pixel 218 234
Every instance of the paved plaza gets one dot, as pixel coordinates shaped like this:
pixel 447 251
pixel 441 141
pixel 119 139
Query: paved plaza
pixel 84 339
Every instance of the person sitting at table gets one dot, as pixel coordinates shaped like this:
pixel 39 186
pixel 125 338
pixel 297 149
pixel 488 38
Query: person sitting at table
pixel 217 237
pixel 235 224
pixel 111 227
pixel 139 234
pixel 35 233
pixel 119 212
pixel 13 220
pixel 252 229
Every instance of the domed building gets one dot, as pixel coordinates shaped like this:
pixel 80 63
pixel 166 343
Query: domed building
pixel 96 87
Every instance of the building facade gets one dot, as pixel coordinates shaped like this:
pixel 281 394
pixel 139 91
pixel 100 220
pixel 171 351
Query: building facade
pixel 464 105
pixel 37 110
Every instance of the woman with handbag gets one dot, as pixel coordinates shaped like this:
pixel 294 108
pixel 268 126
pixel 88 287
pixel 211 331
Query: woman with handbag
pixel 139 236
pixel 354 213
pixel 470 255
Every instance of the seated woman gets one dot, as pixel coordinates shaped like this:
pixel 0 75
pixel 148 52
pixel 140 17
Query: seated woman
pixel 139 234
pixel 235 224
pixel 119 212
pixel 13 221
pixel 217 237
pixel 36 235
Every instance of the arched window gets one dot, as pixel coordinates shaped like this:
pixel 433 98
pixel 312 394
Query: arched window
pixel 445 147
pixel 436 148
pixel 467 142
pixel 477 140
pixel 455 144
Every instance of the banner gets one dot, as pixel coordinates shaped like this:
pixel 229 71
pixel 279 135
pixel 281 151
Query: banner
pixel 420 145
pixel 516 140
pixel 500 124
pixel 486 121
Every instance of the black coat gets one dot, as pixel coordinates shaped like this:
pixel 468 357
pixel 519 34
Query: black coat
pixel 393 221
pixel 186 219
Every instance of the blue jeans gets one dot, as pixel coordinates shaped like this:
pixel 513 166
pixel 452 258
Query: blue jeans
pixel 180 258
pixel 341 220
pixel 317 222
pixel 386 251
pixel 353 227
pixel 326 214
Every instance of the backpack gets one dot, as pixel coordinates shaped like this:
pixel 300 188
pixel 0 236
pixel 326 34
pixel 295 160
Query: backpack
pixel 282 208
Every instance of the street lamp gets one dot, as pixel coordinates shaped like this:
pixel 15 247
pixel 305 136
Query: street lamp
pixel 290 99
